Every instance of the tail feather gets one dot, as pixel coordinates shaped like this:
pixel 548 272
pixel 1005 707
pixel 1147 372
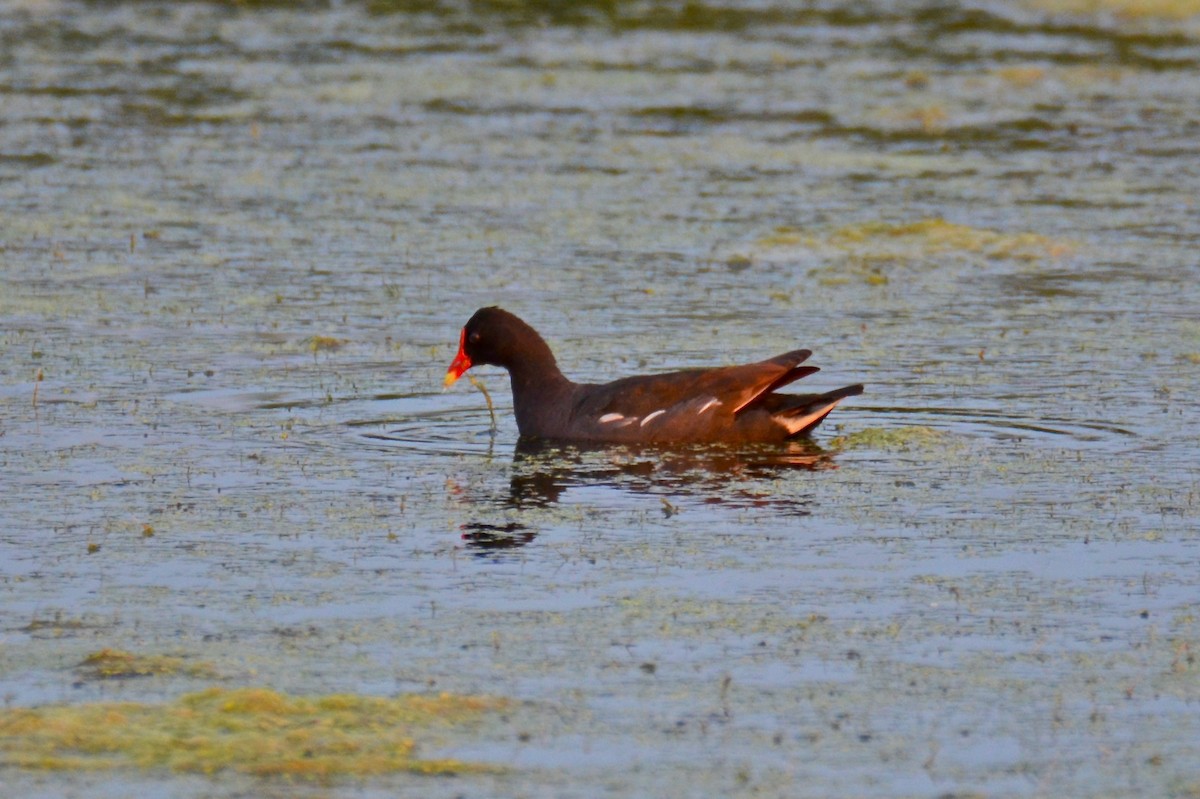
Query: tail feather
pixel 793 371
pixel 802 413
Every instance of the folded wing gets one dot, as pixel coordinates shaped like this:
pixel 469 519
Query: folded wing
pixel 680 404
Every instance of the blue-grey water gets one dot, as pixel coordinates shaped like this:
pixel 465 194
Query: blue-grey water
pixel 237 244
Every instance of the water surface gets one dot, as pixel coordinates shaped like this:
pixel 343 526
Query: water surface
pixel 238 242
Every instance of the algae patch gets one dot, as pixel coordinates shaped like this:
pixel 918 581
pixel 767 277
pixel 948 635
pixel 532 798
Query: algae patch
pixel 325 344
pixel 872 251
pixel 931 236
pixel 115 664
pixel 891 438
pixel 1127 9
pixel 254 731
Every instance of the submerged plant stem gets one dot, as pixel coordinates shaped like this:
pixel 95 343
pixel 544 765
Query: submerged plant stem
pixel 488 398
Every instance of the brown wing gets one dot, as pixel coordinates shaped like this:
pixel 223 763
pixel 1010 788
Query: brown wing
pixel 735 387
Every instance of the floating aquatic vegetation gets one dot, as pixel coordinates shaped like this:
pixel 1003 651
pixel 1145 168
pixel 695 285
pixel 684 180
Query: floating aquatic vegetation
pixel 938 235
pixel 888 438
pixel 325 343
pixel 1021 76
pixel 115 664
pixel 1133 9
pixel 930 119
pixel 254 731
pixel 912 239
pixel 870 251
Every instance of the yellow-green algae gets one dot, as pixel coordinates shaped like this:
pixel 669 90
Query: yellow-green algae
pixel 937 235
pixel 118 664
pixel 868 251
pixel 325 343
pixel 1021 76
pixel 254 731
pixel 1160 9
pixel 888 438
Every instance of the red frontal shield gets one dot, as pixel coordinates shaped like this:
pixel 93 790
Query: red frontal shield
pixel 461 362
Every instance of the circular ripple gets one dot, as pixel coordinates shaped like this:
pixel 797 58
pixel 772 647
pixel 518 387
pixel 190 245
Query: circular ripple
pixel 1003 425
pixel 453 431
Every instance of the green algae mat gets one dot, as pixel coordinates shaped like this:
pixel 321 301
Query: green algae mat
pixel 254 731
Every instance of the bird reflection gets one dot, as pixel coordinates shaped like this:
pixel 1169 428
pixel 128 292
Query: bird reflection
pixel 723 476
pixel 489 537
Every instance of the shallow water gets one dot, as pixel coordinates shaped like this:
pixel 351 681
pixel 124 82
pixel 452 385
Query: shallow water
pixel 238 243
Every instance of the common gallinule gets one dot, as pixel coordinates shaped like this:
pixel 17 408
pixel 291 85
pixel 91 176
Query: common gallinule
pixel 731 404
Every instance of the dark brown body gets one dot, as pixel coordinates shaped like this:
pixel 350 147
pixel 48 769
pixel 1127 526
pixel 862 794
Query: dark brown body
pixel 732 404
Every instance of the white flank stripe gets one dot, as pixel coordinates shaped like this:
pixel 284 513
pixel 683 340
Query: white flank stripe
pixel 650 416
pixel 611 417
pixel 712 403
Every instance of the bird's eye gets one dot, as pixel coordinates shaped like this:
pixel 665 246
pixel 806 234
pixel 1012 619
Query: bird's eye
pixel 474 337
